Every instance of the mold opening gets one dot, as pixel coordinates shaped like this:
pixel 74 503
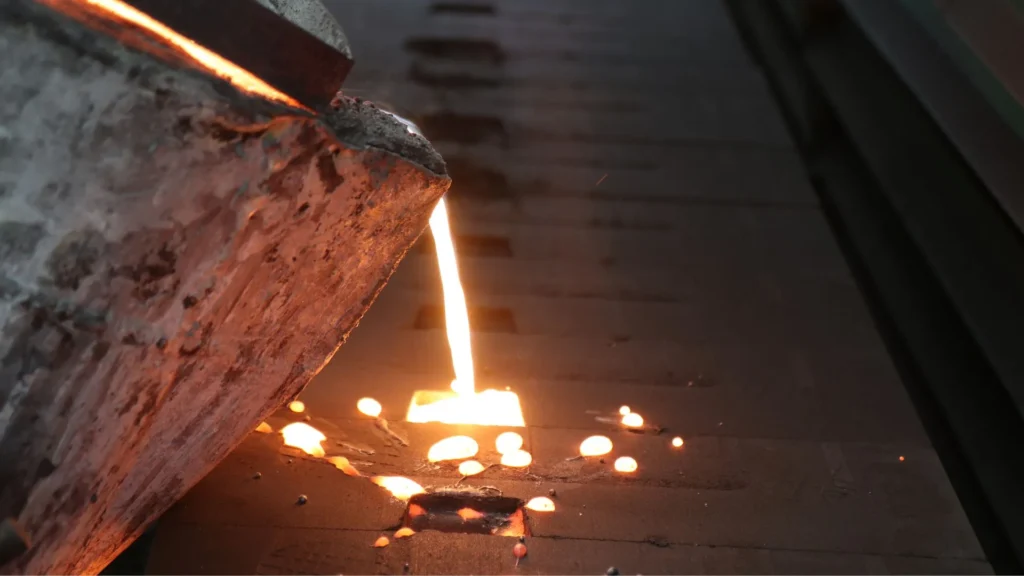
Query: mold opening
pixel 466 513
pixel 463 8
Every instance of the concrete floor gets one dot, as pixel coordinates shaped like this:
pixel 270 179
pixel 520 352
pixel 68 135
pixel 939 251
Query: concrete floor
pixel 634 228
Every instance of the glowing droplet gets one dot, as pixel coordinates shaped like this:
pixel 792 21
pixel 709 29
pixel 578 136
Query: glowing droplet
pixel 902 458
pixel 468 514
pixel 519 550
pixel 381 542
pixel 342 463
pixel 304 437
pixel 624 410
pixel 596 446
pixel 508 442
pixel 416 510
pixel 404 532
pixel 264 428
pixel 541 504
pixel 632 420
pixel 400 487
pixel 470 468
pixel 453 448
pixel 625 464
pixel 297 406
pixel 677 442
pixel 369 406
pixel 516 459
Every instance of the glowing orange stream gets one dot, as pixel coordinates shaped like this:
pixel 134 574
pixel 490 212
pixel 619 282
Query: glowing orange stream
pixel 216 64
pixel 456 316
pixel 466 405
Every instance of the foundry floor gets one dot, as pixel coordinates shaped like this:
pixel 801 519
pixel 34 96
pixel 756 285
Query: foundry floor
pixel 634 228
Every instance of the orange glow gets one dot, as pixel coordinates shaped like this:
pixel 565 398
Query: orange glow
pixel 632 420
pixel 304 437
pixel 541 504
pixel 342 463
pixel 677 442
pixel 516 459
pixel 381 542
pixel 400 487
pixel 625 464
pixel 469 514
pixel 508 442
pixel 466 406
pixel 264 428
pixel 456 315
pixel 404 533
pixel 488 408
pixel 596 446
pixel 453 448
pixel 470 468
pixel 369 406
pixel 516 526
pixel 902 458
pixel 624 410
pixel 297 406
pixel 214 63
pixel 416 510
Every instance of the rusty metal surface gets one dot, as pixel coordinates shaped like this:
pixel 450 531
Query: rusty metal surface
pixel 280 52
pixel 157 229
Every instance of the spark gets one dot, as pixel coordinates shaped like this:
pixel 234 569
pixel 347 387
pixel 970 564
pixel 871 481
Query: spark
pixel 297 406
pixel 677 442
pixel 516 459
pixel 369 406
pixel 508 442
pixel 453 448
pixel 596 446
pixel 342 463
pixel 519 550
pixel 264 428
pixel 304 437
pixel 625 464
pixel 400 487
pixel 470 468
pixel 541 504
pixel 632 420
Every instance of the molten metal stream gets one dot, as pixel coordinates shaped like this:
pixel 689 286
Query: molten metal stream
pixel 216 64
pixel 466 405
pixel 455 313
